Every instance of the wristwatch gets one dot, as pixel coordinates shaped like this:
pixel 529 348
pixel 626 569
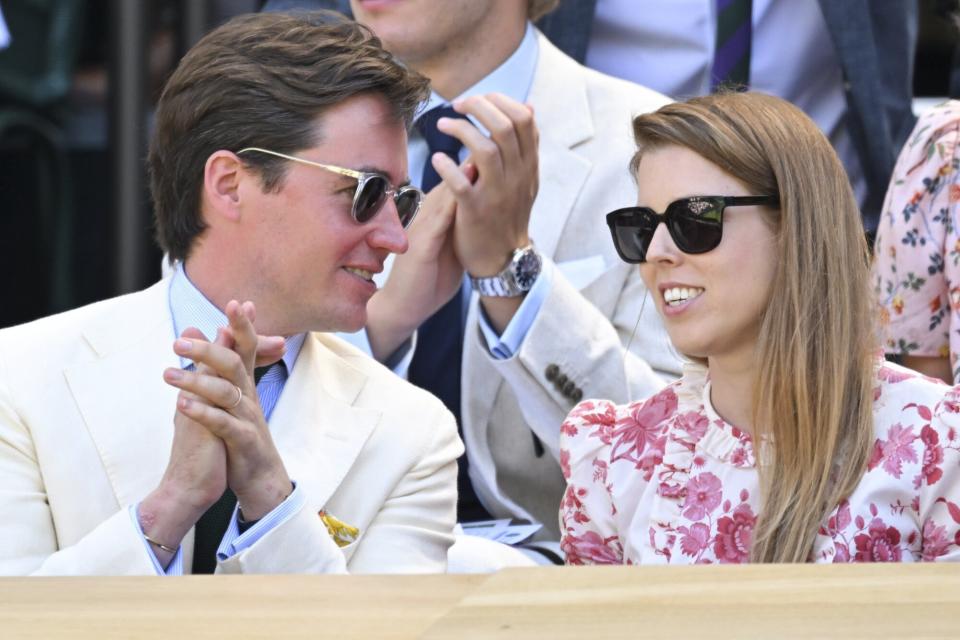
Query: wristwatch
pixel 516 278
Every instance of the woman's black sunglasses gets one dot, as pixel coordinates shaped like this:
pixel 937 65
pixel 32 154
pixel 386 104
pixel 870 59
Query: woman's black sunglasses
pixel 695 224
pixel 371 192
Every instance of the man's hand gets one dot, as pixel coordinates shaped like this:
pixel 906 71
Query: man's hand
pixel 225 402
pixel 196 474
pixel 422 280
pixel 493 211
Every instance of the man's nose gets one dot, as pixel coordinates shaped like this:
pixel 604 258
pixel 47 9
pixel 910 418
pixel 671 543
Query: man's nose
pixel 387 232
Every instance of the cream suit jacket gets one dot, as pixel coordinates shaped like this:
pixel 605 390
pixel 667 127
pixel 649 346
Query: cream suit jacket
pixel 596 301
pixel 86 426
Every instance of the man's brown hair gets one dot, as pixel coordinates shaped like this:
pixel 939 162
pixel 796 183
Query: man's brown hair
pixel 536 9
pixel 261 80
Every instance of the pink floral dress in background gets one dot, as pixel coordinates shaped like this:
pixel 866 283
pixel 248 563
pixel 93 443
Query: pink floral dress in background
pixel 666 480
pixel 916 271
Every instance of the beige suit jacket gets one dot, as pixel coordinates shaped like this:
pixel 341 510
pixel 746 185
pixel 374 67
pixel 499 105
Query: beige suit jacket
pixel 86 426
pixel 593 308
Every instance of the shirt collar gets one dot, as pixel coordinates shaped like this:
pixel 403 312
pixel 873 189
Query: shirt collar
pixel 190 308
pixel 513 78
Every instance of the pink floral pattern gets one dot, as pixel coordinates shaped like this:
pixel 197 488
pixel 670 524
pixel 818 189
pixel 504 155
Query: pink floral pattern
pixel 666 480
pixel 916 271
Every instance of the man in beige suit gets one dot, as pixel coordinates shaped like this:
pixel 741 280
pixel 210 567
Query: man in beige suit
pixel 554 316
pixel 278 168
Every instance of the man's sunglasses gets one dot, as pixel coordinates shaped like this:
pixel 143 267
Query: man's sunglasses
pixel 695 224
pixel 372 190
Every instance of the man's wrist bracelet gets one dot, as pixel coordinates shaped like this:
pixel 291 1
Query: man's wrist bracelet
pixel 161 546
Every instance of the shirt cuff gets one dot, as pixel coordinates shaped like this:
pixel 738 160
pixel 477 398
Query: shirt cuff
pixel 505 346
pixel 234 542
pixel 175 568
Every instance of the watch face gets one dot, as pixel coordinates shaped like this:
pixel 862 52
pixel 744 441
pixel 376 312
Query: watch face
pixel 527 270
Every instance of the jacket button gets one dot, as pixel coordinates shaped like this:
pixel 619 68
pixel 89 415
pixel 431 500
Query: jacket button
pixel 577 395
pixel 560 381
pixel 552 372
pixel 569 388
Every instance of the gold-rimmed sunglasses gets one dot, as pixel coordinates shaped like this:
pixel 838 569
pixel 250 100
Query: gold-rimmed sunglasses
pixel 372 190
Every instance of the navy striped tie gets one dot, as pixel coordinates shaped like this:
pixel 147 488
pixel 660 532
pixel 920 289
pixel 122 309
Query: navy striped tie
pixel 731 57
pixel 436 362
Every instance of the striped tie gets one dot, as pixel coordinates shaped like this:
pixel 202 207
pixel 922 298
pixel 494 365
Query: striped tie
pixel 731 57
pixel 437 361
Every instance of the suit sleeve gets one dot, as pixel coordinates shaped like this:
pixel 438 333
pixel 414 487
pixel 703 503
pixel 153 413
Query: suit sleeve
pixel 410 532
pixel 573 351
pixel 28 537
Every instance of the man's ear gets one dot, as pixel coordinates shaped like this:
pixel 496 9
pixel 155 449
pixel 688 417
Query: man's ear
pixel 222 176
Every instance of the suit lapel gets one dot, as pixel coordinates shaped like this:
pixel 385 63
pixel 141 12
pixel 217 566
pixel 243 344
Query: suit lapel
pixel 563 123
pixel 122 398
pixel 315 426
pixel 128 408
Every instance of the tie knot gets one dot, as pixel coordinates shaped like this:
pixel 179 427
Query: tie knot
pixel 276 372
pixel 436 140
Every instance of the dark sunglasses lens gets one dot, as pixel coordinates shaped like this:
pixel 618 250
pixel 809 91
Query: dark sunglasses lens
pixel 370 198
pixel 408 203
pixel 632 232
pixel 696 225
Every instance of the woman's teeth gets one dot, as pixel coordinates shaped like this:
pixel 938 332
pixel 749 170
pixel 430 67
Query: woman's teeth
pixel 678 295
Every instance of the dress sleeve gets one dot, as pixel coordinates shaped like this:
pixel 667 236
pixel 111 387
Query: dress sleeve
pixel 588 530
pixel 939 480
pixel 916 270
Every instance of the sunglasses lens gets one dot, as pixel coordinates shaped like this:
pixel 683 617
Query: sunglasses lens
pixel 632 232
pixel 696 224
pixel 370 198
pixel 408 203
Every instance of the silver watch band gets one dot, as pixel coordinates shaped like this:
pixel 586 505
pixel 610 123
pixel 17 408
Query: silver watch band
pixel 525 263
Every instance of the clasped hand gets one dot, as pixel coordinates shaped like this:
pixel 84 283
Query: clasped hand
pixel 493 210
pixel 471 221
pixel 221 438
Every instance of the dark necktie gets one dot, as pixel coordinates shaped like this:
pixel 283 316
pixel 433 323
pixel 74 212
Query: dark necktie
pixel 731 57
pixel 211 526
pixel 437 360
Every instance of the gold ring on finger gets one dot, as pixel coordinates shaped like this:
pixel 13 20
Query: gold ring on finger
pixel 239 398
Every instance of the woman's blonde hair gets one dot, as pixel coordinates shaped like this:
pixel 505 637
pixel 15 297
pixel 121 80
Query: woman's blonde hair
pixel 812 402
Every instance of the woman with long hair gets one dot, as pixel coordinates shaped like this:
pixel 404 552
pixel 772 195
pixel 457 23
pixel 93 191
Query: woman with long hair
pixel 788 438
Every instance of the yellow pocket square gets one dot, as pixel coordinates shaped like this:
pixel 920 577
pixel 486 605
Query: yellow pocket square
pixel 341 532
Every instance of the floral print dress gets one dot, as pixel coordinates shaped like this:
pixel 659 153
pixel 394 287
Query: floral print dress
pixel 916 270
pixel 666 480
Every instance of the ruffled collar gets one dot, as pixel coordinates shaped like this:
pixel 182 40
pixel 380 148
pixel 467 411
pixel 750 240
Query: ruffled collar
pixel 718 438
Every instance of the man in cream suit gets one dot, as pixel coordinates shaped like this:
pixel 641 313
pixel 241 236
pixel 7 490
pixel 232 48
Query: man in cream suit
pixel 277 168
pixel 547 324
